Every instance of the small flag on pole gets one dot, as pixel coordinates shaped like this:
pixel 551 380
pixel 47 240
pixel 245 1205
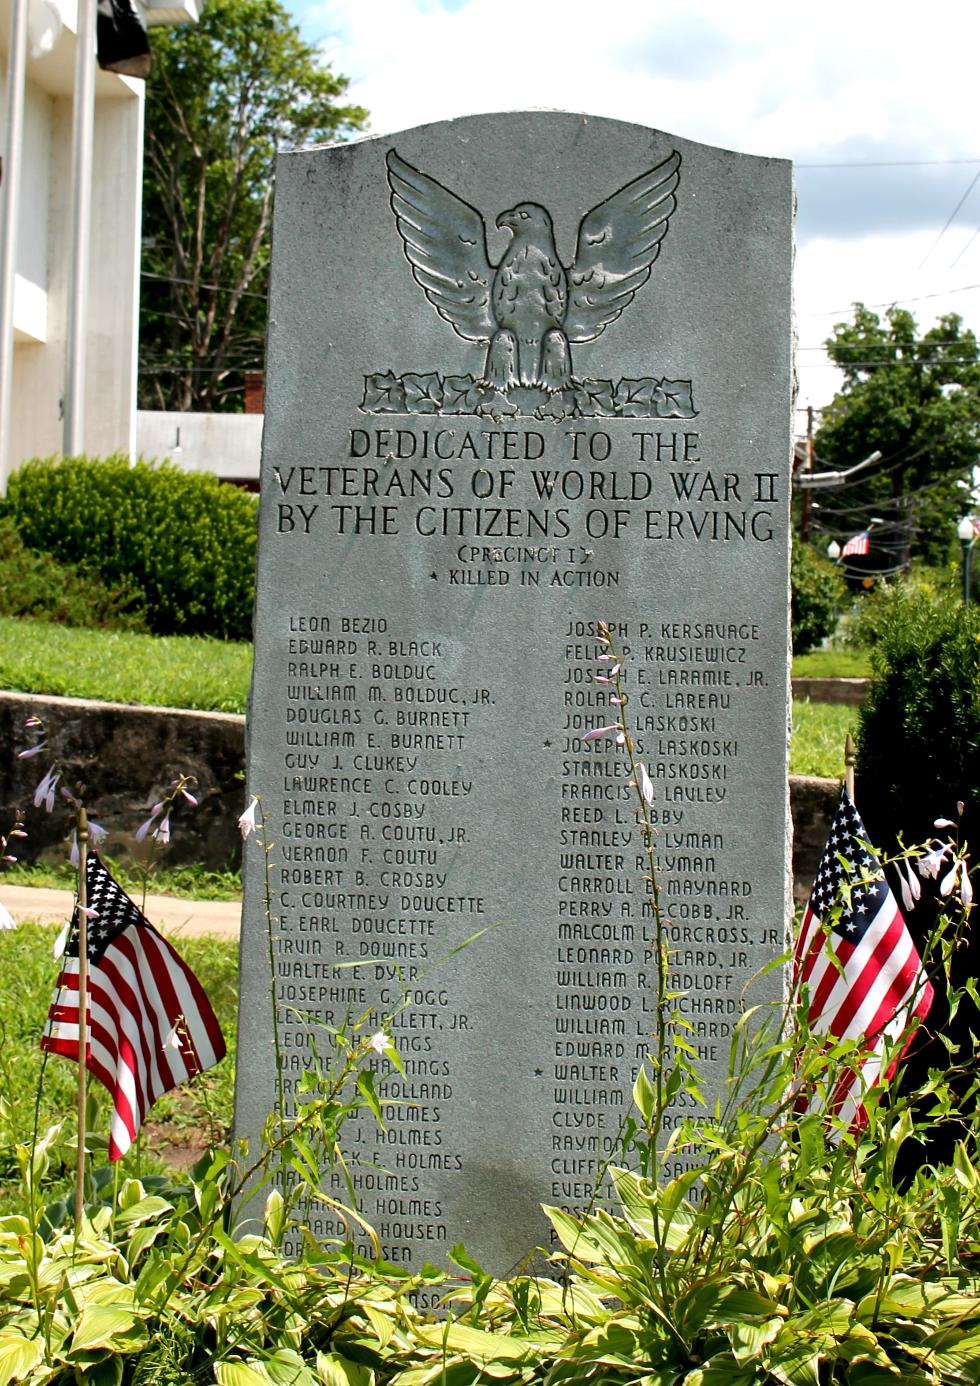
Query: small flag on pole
pixel 150 1025
pixel 858 545
pixel 855 957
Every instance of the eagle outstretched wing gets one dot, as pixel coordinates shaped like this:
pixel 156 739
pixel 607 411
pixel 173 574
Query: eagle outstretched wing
pixel 618 242
pixel 445 242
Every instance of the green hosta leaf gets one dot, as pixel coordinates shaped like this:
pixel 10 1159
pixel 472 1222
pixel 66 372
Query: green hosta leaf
pixel 719 1370
pixel 142 1238
pixel 474 1342
pixel 18 1355
pixel 224 1301
pixel 915 1299
pixel 100 1325
pixel 239 1374
pixel 146 1208
pixel 956 1353
pixel 644 1097
pixel 285 1367
pixel 963 1169
pixel 870 1374
pixel 107 1372
pixel 275 1216
pixel 334 1370
pixel 799 1368
pixel 383 1324
pixel 598 1238
pixel 748 1339
pixel 131 1193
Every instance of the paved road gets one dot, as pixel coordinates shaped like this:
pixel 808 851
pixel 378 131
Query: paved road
pixel 189 917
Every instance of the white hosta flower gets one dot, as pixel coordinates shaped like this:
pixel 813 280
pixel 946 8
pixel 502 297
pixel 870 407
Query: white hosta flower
pixel 61 942
pixel 931 861
pixel 966 890
pixel 46 789
pixel 646 784
pixel 911 890
pixel 246 824
pixel 379 1042
pixel 7 920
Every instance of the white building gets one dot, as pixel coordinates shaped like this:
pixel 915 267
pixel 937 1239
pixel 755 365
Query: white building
pixel 43 246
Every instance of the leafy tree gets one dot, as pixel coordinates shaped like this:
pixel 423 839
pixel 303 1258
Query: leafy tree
pixel 224 95
pixel 916 400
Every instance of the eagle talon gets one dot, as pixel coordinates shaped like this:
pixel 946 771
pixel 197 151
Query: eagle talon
pixel 501 367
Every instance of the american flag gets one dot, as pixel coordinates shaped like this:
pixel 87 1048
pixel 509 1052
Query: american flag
pixel 873 989
pixel 150 1025
pixel 859 544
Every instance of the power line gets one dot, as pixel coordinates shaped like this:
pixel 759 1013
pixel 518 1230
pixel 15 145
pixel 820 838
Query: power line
pixel 949 219
pixel 194 283
pixel 890 163
pixel 891 302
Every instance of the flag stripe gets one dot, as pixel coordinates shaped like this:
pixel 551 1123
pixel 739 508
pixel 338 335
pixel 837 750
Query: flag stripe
pixel 140 993
pixel 856 965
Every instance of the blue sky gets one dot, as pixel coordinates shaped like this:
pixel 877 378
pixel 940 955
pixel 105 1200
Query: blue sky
pixel 875 102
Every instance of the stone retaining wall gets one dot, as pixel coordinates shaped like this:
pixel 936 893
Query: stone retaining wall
pixel 128 756
pixel 850 691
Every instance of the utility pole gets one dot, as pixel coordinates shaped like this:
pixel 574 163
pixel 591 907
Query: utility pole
pixel 805 511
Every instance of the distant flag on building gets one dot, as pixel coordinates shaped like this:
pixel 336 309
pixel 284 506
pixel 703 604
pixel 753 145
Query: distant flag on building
pixel 856 962
pixel 150 1025
pixel 857 545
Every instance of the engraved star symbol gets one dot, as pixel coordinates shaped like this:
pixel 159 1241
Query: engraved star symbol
pixel 539 1072
pixel 547 745
pixel 434 577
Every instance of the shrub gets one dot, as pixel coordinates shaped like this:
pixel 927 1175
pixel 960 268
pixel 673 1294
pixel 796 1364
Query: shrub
pixel 919 736
pixel 37 585
pixel 818 592
pixel 183 540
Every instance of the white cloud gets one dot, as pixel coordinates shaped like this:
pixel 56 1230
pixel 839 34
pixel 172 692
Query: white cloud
pixel 839 81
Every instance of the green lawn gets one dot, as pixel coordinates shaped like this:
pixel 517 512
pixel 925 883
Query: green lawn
pixel 119 667
pixel 829 664
pixel 191 672
pixel 819 733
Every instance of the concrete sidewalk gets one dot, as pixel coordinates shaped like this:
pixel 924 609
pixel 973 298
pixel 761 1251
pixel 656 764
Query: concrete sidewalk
pixel 192 918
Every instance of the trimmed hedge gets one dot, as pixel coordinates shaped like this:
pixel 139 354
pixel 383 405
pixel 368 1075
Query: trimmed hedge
pixel 184 541
pixel 818 593
pixel 919 737
pixel 38 586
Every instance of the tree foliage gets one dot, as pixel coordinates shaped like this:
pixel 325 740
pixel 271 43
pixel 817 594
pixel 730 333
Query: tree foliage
pixel 916 400
pixel 224 96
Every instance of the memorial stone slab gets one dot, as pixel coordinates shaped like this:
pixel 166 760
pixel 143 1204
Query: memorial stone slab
pixel 526 372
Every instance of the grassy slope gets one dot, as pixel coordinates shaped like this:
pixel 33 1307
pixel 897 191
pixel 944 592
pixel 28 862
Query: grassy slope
pixel 119 667
pixel 213 675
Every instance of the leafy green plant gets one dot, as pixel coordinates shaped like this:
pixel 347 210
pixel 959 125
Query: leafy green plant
pixel 181 540
pixel 919 733
pixel 818 595
pixel 37 585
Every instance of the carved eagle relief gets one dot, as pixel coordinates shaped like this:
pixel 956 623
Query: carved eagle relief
pixel 529 309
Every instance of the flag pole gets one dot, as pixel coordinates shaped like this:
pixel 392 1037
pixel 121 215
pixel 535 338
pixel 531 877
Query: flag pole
pixel 850 758
pixel 82 1016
